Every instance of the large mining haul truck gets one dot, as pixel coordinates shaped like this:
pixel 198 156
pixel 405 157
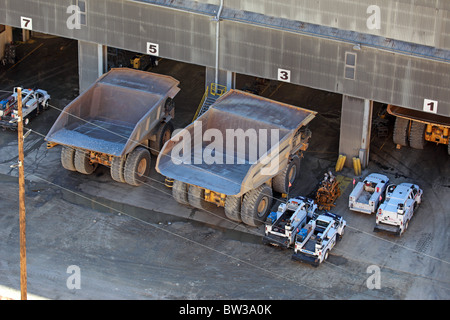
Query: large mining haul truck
pixel 236 154
pixel 415 128
pixel 123 118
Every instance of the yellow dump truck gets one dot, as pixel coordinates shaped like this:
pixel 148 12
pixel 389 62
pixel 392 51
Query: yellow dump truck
pixel 123 118
pixel 236 154
pixel 415 128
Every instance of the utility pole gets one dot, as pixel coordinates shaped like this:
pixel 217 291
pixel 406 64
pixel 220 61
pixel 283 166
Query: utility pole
pixel 22 221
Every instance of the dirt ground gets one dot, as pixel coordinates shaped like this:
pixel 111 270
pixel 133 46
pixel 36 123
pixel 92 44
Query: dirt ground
pixel 138 243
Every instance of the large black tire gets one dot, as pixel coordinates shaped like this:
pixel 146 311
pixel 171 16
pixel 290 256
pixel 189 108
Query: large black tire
pixel 256 205
pixel 196 198
pixel 281 181
pixel 417 135
pixel 180 192
pixel 233 208
pixel 117 169
pixel 68 158
pixel 163 134
pixel 137 166
pixel 400 135
pixel 448 149
pixel 83 163
pixel 169 105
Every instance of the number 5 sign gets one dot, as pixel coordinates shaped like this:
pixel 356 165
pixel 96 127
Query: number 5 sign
pixel 430 105
pixel 26 23
pixel 153 49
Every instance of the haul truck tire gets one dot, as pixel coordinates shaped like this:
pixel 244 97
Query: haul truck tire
pixel 196 198
pixel 281 181
pixel 83 163
pixel 180 192
pixel 256 205
pixel 163 134
pixel 233 208
pixel 417 135
pixel 117 169
pixel 400 135
pixel 68 158
pixel 137 166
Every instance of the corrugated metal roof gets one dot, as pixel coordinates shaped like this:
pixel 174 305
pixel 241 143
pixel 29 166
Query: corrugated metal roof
pixel 305 28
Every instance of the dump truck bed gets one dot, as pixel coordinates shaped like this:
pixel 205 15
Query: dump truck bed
pixel 113 116
pixel 240 162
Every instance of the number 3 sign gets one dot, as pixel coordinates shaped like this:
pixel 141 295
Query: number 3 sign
pixel 284 75
pixel 430 105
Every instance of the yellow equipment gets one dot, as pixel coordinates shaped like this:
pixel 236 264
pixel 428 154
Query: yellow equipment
pixel 340 162
pixel 414 127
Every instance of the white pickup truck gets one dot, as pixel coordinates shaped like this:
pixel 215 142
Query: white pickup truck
pixel 367 195
pixel 33 103
pixel 288 220
pixel 396 211
pixel 317 238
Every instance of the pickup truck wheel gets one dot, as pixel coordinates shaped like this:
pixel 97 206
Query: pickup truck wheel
pixel 117 169
pixel 417 135
pixel 163 134
pixel 137 166
pixel 83 163
pixel 287 177
pixel 256 205
pixel 233 208
pixel 180 192
pixel 68 158
pixel 400 135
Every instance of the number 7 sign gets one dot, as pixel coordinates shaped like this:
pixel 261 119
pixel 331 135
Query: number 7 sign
pixel 26 23
pixel 430 105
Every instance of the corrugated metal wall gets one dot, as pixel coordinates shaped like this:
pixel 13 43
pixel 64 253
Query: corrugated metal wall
pixel 186 32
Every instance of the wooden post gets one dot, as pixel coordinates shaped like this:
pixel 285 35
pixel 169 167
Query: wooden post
pixel 22 221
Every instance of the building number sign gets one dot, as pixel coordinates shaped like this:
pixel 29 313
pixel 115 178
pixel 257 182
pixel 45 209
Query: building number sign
pixel 153 49
pixel 26 23
pixel 284 75
pixel 430 105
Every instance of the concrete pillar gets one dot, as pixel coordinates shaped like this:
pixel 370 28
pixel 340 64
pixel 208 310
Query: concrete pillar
pixel 92 63
pixel 356 120
pixel 5 38
pixel 26 35
pixel 225 78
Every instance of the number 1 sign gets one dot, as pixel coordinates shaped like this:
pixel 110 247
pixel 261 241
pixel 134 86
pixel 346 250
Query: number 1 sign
pixel 430 105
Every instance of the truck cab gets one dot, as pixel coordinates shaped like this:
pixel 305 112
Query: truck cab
pixel 396 211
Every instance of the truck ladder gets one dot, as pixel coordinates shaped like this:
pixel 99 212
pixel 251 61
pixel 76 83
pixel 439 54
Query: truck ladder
pixel 211 95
